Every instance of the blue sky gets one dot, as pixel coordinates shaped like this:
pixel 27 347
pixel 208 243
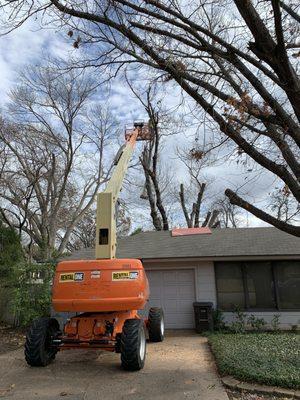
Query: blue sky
pixel 29 44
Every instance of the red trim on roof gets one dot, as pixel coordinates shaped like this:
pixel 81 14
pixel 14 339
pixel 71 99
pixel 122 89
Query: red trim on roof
pixel 191 231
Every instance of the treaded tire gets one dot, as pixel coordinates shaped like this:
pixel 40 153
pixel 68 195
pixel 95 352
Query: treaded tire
pixel 133 345
pixel 156 327
pixel 38 350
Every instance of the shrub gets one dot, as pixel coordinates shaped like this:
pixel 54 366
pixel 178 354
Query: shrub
pixel 32 292
pixel 275 322
pixel 239 323
pixel 257 324
pixel 294 328
pixel 218 318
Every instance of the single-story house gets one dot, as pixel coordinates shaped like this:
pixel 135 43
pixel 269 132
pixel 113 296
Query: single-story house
pixel 255 269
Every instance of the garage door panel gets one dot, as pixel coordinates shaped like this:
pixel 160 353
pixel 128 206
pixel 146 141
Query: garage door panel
pixel 174 291
pixel 170 307
pixel 154 280
pixel 185 319
pixel 184 276
pixel 155 292
pixel 174 320
pixel 171 318
pixel 169 278
pixel 185 292
pixel 170 292
pixel 185 305
pixel 178 307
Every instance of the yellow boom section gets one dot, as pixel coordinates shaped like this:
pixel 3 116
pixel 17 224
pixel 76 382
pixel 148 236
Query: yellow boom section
pixel 106 202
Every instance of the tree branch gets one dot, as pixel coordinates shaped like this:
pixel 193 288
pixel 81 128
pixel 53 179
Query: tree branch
pixel 237 200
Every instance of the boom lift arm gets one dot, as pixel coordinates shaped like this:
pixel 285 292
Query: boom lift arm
pixel 107 200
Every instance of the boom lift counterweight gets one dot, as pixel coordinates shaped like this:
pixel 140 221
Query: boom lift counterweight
pixel 106 293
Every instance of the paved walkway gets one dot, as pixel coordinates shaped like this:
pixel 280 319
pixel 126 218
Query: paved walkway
pixel 179 368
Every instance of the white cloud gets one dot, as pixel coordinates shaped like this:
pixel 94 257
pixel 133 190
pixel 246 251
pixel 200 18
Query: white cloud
pixel 28 44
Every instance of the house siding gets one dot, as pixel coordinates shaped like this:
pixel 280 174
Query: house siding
pixel 206 287
pixel 287 320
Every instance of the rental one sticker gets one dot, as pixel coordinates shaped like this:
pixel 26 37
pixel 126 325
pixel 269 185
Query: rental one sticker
pixel 124 275
pixel 71 277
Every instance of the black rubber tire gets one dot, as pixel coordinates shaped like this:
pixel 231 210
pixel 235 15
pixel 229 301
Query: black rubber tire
pixel 38 349
pixel 133 336
pixel 155 319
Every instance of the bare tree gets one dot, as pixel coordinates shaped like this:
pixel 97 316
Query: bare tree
pixel 84 233
pixel 54 156
pixel 123 219
pixel 193 218
pixel 238 60
pixel 229 214
pixel 195 161
pixel 149 161
pixel 156 178
pixel 284 206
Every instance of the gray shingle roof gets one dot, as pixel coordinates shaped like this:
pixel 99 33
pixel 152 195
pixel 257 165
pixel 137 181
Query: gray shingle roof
pixel 221 243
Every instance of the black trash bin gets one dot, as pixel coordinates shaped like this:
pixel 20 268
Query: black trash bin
pixel 203 316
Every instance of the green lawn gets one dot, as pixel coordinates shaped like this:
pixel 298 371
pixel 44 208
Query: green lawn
pixel 267 358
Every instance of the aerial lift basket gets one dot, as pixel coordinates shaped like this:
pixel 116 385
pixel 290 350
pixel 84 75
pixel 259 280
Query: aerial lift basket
pixel 141 130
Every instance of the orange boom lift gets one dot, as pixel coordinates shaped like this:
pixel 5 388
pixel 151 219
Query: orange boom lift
pixel 105 293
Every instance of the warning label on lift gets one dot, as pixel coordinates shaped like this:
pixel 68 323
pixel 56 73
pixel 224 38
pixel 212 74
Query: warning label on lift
pixel 124 275
pixel 71 277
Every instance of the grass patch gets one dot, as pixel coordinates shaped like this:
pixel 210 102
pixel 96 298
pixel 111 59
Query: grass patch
pixel 267 358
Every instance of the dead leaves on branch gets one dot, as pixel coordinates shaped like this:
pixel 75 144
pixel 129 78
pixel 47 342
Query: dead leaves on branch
pixel 286 191
pixel 77 42
pixel 238 110
pixel 196 154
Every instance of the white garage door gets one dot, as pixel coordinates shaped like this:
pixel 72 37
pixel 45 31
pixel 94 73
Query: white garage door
pixel 174 291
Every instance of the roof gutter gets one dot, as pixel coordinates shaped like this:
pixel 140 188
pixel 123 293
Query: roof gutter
pixel 222 258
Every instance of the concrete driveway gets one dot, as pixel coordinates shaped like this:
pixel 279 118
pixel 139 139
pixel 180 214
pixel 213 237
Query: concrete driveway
pixel 179 368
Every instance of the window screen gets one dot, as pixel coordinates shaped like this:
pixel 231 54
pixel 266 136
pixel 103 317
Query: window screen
pixel 288 280
pixel 230 287
pixel 261 291
pixel 259 285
